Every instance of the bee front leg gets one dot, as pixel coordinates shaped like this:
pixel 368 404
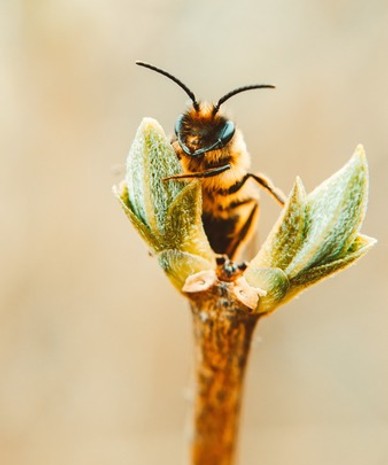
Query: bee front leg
pixel 200 174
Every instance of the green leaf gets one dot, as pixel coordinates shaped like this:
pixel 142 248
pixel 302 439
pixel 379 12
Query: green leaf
pixel 272 280
pixel 315 236
pixel 152 240
pixel 287 234
pixel 360 247
pixel 184 229
pixel 180 265
pixel 335 211
pixel 166 213
pixel 152 158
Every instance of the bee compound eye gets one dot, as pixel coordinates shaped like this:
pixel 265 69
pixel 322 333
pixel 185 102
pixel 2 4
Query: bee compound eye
pixel 178 133
pixel 178 125
pixel 227 132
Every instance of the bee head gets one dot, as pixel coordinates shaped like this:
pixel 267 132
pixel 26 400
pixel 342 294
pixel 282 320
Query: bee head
pixel 202 129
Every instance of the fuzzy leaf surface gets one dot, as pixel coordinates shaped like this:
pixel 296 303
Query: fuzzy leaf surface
pixel 334 213
pixel 316 235
pixel 360 247
pixel 166 213
pixel 287 235
pixel 180 265
pixel 152 158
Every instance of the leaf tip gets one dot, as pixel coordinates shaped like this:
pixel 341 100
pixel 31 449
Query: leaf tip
pixel 359 159
pixel 360 151
pixel 298 189
pixel 369 241
pixel 150 124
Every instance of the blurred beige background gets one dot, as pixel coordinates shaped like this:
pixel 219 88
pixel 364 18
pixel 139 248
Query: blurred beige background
pixel 95 345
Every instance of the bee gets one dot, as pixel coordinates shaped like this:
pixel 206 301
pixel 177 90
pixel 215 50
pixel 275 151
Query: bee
pixel 212 149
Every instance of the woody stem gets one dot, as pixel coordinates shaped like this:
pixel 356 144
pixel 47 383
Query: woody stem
pixel 223 331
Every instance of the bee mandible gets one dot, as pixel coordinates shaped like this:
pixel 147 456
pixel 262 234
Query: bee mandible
pixel 211 148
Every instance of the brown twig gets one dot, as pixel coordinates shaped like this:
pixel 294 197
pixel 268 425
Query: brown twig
pixel 223 328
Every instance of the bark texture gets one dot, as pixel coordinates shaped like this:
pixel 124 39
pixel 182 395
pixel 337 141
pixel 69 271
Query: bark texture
pixel 223 328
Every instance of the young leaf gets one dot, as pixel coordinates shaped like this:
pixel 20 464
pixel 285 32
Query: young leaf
pixel 360 247
pixel 184 230
pixel 315 237
pixel 272 280
pixel 153 240
pixel 180 265
pixel 151 159
pixel 287 234
pixel 166 213
pixel 335 211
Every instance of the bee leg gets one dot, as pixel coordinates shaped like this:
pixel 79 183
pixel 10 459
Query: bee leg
pixel 267 184
pixel 242 266
pixel 227 270
pixel 264 183
pixel 243 232
pixel 221 259
pixel 200 174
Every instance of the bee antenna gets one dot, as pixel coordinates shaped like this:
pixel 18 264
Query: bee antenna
pixel 237 91
pixel 173 78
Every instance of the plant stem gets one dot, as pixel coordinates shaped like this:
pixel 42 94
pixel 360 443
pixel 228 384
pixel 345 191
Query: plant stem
pixel 223 329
